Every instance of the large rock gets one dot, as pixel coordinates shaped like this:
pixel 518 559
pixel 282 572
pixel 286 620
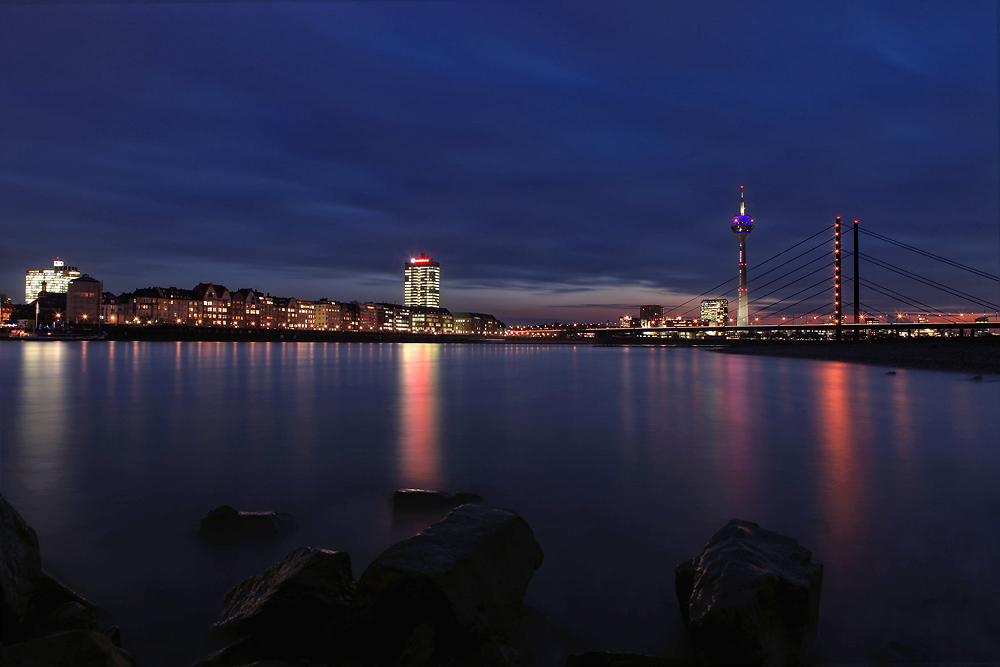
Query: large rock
pixel 750 597
pixel 20 565
pixel 227 523
pixel 451 594
pixel 288 609
pixel 76 648
pixel 420 499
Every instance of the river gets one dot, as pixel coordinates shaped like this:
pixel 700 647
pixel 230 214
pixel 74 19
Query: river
pixel 624 460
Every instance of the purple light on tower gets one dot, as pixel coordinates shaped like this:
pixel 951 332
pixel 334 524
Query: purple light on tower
pixel 742 226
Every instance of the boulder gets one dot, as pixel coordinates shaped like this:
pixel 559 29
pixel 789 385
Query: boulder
pixel 750 597
pixel 226 522
pixel 287 610
pixel 420 499
pixel 79 648
pixel 452 593
pixel 20 564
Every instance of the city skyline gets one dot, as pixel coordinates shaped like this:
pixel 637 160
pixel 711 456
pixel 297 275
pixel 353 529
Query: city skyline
pixel 569 163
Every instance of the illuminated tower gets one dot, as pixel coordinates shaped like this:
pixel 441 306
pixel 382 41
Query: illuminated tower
pixel 742 226
pixel 422 286
pixel 56 279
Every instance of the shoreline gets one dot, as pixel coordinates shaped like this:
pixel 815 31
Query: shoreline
pixel 971 355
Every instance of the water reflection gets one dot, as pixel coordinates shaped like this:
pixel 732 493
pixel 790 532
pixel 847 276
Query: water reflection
pixel 840 467
pixel 419 438
pixel 45 416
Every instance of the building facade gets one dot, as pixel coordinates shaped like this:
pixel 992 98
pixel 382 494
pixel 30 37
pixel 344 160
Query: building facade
pixel 715 312
pixel 83 302
pixel 422 283
pixel 56 279
pixel 478 323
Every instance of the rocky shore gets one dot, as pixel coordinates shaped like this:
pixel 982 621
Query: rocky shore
pixel 979 355
pixel 450 596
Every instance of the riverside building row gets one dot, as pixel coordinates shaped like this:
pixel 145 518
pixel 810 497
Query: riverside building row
pixel 210 305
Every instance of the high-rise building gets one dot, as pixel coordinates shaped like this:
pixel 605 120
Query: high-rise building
pixel 56 279
pixel 422 286
pixel 715 312
pixel 742 226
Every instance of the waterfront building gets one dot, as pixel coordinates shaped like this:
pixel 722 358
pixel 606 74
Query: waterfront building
pixel 478 323
pixel 158 305
pixel 306 316
pixel 393 317
pixel 742 226
pixel 367 317
pixel 110 309
pixel 245 309
pixel 350 316
pixel 284 311
pixel 715 312
pixel 422 283
pixel 650 316
pixel 431 320
pixel 325 314
pixel 213 301
pixel 83 302
pixel 56 279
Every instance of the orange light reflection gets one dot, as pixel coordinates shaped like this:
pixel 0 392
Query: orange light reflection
pixel 419 437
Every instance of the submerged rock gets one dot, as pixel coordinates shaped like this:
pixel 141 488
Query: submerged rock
pixel 227 523
pixel 413 499
pixel 750 597
pixel 452 593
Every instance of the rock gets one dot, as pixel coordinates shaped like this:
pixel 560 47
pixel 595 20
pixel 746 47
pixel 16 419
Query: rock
pixel 29 595
pixel 226 522
pixel 750 597
pixel 413 499
pixel 904 651
pixel 20 564
pixel 69 616
pixel 606 659
pixel 79 648
pixel 451 593
pixel 287 609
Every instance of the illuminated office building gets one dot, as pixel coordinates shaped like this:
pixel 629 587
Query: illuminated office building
pixel 422 286
pixel 715 312
pixel 56 279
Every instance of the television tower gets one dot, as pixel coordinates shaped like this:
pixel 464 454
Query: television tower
pixel 742 226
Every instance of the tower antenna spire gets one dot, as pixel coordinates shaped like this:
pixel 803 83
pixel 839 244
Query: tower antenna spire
pixel 743 207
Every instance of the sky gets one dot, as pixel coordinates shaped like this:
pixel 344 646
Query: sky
pixel 563 161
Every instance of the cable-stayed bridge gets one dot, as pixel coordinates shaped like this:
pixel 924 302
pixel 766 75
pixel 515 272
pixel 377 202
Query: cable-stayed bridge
pixel 801 291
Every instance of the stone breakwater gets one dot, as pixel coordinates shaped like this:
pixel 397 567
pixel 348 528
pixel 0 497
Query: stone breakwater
pixel 449 596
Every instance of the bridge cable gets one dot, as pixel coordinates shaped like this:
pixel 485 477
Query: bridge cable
pixel 927 281
pixel 931 255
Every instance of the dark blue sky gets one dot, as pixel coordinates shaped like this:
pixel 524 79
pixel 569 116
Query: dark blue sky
pixel 563 161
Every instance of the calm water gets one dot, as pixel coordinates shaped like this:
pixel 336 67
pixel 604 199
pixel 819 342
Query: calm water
pixel 623 460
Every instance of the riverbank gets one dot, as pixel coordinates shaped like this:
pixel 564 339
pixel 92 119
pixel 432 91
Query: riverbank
pixel 971 355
